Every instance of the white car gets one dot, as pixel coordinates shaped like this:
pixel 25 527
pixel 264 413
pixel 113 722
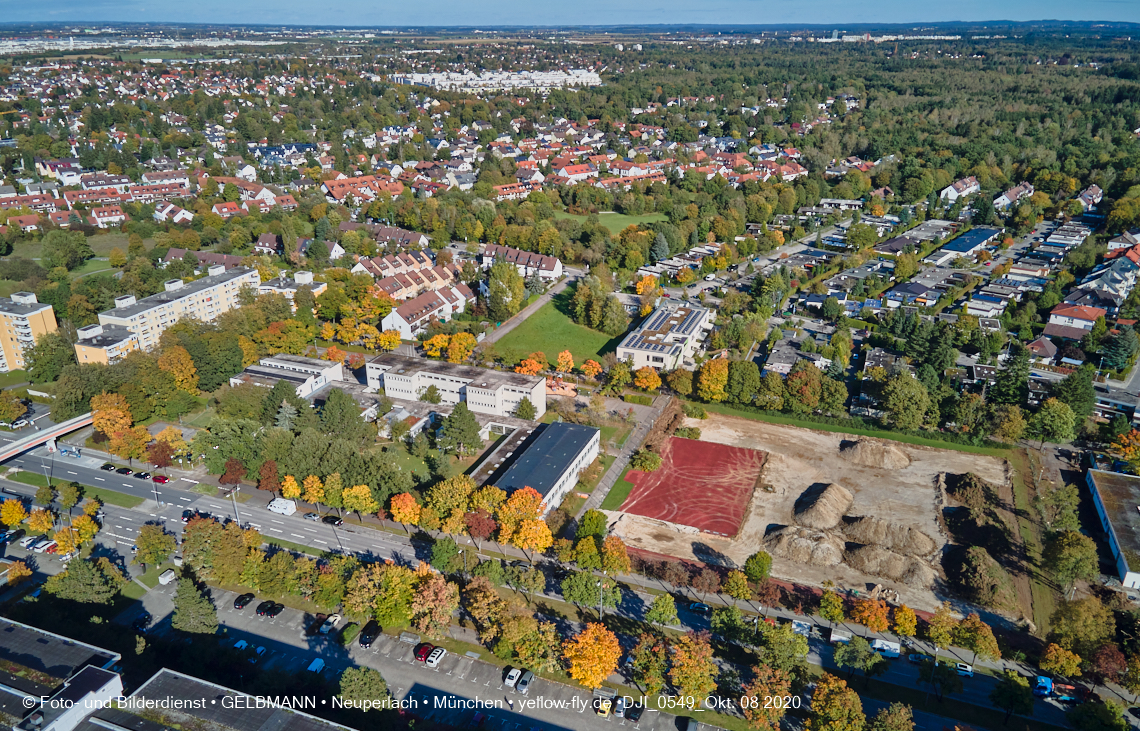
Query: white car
pixel 330 624
pixel 436 657
pixel 512 677
pixel 966 671
pixel 27 541
pixel 43 545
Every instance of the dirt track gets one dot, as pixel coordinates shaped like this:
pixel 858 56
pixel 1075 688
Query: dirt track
pixel 799 458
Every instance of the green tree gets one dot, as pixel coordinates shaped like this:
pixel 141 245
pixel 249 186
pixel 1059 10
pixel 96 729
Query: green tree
pixel 1012 385
pixel 588 590
pixel 69 495
pixel 758 567
pixel 835 707
pixel 460 432
pixel 895 717
pixel 87 581
pixel 1013 695
pixel 663 610
pixel 444 551
pixel 1082 626
pixel 831 607
pixel 1076 390
pixel 1071 556
pixel 154 545
pixel 526 410
pixel 45 361
pixel 857 655
pixel 45 495
pixel 743 381
pixel 650 662
pixel 906 401
pixel 943 677
pixel 67 249
pixel 1108 716
pixel 506 290
pixel 362 684
pixel 193 610
pixel 1054 422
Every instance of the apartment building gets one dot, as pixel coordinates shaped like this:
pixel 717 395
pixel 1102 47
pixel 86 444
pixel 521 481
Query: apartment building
pixel 104 344
pixel 204 299
pixel 23 319
pixel 497 393
pixel 306 375
pixel 283 285
pixel 668 338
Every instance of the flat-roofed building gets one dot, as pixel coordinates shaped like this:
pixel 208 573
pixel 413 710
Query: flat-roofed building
pixel 497 393
pixel 550 461
pixel 307 375
pixel 288 287
pixel 104 344
pixel 668 338
pixel 23 319
pixel 1116 497
pixel 204 299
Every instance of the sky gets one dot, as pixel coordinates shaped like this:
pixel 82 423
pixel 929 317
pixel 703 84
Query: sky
pixel 385 13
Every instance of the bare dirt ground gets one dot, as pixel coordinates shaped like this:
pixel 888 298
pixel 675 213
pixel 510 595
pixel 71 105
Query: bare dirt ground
pixel 799 458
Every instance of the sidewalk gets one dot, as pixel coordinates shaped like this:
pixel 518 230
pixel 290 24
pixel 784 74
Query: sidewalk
pixel 493 335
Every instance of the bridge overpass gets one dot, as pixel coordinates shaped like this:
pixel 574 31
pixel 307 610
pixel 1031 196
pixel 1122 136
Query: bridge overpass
pixel 36 438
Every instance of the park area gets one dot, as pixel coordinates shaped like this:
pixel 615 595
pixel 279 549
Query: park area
pixel 705 486
pixel 615 222
pixel 825 505
pixel 551 331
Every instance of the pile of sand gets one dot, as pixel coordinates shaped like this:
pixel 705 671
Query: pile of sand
pixel 873 453
pixel 887 534
pixel 804 546
pixel 890 565
pixel 822 509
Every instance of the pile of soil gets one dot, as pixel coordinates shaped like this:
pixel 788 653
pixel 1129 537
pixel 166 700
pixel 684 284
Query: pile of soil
pixel 874 453
pixel 823 508
pixel 804 546
pixel 878 561
pixel 887 534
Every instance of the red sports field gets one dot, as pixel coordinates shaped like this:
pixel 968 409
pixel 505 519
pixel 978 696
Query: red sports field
pixel 699 484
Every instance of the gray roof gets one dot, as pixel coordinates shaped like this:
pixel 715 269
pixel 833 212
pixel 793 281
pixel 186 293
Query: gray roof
pixel 480 377
pixel 188 289
pixel 545 457
pixel 49 655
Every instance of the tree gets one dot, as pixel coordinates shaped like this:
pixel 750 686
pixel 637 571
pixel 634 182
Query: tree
pixel 1056 659
pixel 650 661
pixel 1054 422
pixel 743 381
pixel 67 249
pixel 160 454
pixel 46 360
pixel 526 410
pixel 1012 385
pixel 895 717
pixel 906 401
pixel 831 606
pixel 565 362
pixel 358 499
pixel 12 512
pixel 758 567
pixel 975 635
pixel 506 290
pixel 1108 664
pixel 680 381
pixel 662 611
pixel 87 581
pixel 857 655
pixel 736 586
pixel 615 558
pixel 835 707
pixel 405 509
pixel 358 685
pixel 871 613
pixel 694 670
pixel 646 379
pixel 941 676
pixel 712 378
pixel 41 521
pixel 940 628
pixel 767 683
pixel 11 407
pixel 45 495
pixel 1106 716
pixel 110 413
pixel 906 623
pixel 524 504
pixel 591 369
pixel 1013 695
pixel 130 444
pixel 17 572
pixel 1076 390
pixel 1082 626
pixel 290 490
pixel 588 590
pixel 1007 423
pixel 176 361
pixel 267 478
pixel 435 600
pixel 533 535
pixel 1071 556
pixel 314 490
pixel 592 655
pixel 460 432
pixel 193 610
pixel 234 472
pixel 154 545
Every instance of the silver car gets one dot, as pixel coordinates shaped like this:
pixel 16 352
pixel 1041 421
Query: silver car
pixel 523 685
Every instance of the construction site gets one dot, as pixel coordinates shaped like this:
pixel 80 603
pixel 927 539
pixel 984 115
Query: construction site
pixel 860 512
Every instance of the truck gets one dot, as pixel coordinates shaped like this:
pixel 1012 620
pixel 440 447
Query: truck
pixel 839 635
pixel 886 648
pixel 167 577
pixel 281 506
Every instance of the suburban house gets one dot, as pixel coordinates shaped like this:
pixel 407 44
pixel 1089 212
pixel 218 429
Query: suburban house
pixel 548 268
pixel 960 189
pixel 1072 321
pixel 669 337
pixel 164 212
pixel 1013 195
pixel 412 317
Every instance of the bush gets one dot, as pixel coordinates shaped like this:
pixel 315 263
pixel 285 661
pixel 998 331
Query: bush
pixel 694 411
pixel 349 634
pixel 635 398
pixel 688 432
pixel 645 460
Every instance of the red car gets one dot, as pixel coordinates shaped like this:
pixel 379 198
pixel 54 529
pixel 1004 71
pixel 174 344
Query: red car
pixel 160 479
pixel 423 651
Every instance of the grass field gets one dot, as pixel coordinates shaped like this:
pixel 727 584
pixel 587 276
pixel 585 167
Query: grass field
pixel 551 330
pixel 615 222
pixel 11 378
pixel 618 493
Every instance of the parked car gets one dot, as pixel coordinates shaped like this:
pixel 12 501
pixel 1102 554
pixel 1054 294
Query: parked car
pixel 436 657
pixel 634 713
pixel 602 706
pixel 160 479
pixel 523 684
pixel 257 655
pixel 142 475
pixel 20 423
pixel 108 467
pixel 44 545
pixel 316 666
pixel 241 645
pixel 188 515
pixel 311 516
pixel 264 607
pixel 14 535
pixel 166 577
pixel 27 541
pixel 125 471
pixel 369 634
pixel 243 601
pixel 423 651
pixel 513 675
pixel 275 610
pixel 966 671
pixel 332 520
pixel 919 657
pixel 619 706
pixel 141 623
pixel 329 624
pixel 700 608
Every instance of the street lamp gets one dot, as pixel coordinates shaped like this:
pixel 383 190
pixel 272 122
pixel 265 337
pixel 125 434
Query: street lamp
pixel 599 600
pixel 233 497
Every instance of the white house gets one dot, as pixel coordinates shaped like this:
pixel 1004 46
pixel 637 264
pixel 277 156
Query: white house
pixel 960 189
pixel 413 316
pixel 548 268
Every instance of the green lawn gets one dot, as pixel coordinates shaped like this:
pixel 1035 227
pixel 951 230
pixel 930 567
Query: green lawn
pixel 616 434
pixel 551 330
pixel 615 222
pixel 101 493
pixel 618 493
pixel 13 377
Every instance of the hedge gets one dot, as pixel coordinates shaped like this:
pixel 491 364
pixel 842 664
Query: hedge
pixel 636 398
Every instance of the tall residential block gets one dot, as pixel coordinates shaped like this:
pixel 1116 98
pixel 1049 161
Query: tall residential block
pixel 23 319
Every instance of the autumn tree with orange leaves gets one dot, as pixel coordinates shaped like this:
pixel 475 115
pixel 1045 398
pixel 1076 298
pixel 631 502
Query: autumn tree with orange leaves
pixel 176 361
pixel 528 367
pixel 592 655
pixel 110 413
pixel 565 361
pixel 591 368
pixel 871 613
pixel 1127 447
pixel 646 379
pixel 522 505
pixel 405 509
pixel 533 535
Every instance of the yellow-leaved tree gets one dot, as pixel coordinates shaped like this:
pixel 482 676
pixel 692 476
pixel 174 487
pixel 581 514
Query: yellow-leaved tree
pixel 388 340
pixel 314 490
pixel 434 345
pixel 405 509
pixel 358 499
pixel 86 527
pixel 565 361
pixel 12 512
pixel 176 361
pixel 41 521
pixel 592 655
pixel 110 413
pixel 290 490
pixel 533 535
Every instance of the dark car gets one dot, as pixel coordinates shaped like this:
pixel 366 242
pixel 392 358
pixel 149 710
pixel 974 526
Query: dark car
pixel 315 626
pixel 14 535
pixel 125 471
pixel 332 520
pixel 369 634
pixel 108 467
pixel 275 610
pixel 423 651
pixel 699 608
pixel 243 601
pixel 142 475
pixel 264 607
pixel 188 515
pixel 634 713
pixel 141 623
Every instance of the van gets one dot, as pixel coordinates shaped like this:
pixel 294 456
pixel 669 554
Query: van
pixel 167 576
pixel 886 648
pixel 316 666
pixel 281 506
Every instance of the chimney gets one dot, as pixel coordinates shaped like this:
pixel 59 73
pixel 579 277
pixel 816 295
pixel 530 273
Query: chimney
pixel 24 298
pixel 216 269
pixel 172 285
pixel 125 301
pixel 91 331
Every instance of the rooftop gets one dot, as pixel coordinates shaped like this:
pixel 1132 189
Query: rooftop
pixel 1120 495
pixel 22 303
pixel 35 661
pixel 109 336
pixel 480 377
pixel 680 323
pixel 188 289
pixel 545 457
